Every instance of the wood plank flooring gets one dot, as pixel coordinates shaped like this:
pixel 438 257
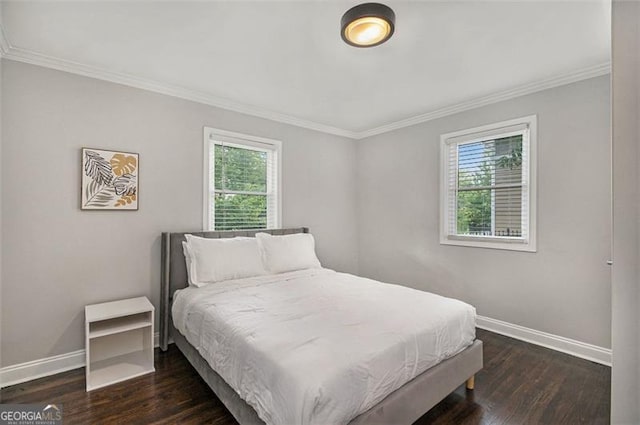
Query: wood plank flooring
pixel 520 384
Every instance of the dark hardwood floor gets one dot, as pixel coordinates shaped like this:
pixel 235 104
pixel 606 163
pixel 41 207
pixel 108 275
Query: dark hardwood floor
pixel 520 384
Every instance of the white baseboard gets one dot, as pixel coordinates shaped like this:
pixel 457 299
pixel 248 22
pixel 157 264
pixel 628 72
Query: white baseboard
pixel 19 373
pixel 23 372
pixel 559 343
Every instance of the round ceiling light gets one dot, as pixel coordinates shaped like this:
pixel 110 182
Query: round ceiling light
pixel 367 25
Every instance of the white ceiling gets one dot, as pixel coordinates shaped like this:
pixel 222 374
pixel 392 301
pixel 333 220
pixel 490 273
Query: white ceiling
pixel 287 57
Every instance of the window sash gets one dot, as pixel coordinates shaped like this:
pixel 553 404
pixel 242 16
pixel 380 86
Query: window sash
pixel 520 187
pixel 490 187
pixel 239 192
pixel 272 148
pixel 269 169
pixel 237 217
pixel 454 170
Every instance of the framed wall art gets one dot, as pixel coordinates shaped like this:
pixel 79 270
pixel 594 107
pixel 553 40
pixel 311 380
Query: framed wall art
pixel 109 180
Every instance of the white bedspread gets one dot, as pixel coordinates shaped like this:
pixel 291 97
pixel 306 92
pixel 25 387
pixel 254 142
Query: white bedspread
pixel 317 346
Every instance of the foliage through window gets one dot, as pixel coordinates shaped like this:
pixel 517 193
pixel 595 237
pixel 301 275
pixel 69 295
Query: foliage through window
pixel 487 187
pixel 243 184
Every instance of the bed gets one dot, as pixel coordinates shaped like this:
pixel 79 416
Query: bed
pixel 405 402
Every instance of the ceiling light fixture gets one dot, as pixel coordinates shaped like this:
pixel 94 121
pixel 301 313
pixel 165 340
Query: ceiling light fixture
pixel 367 25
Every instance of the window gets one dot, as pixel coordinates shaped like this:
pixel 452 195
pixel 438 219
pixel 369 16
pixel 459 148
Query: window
pixel 242 181
pixel 488 186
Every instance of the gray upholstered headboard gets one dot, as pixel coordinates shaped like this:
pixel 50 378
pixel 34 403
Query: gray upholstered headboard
pixel 174 269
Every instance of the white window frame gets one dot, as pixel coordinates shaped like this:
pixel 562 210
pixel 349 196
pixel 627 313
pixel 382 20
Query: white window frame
pixel 476 134
pixel 244 141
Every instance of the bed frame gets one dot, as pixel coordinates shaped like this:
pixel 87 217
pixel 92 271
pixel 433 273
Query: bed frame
pixel 402 407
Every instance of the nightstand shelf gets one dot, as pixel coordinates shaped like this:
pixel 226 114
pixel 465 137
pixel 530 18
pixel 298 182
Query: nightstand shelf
pixel 119 324
pixel 119 341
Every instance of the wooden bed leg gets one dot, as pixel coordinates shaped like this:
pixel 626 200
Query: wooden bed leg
pixel 471 382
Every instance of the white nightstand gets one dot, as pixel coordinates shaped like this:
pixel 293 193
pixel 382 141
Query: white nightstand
pixel 118 341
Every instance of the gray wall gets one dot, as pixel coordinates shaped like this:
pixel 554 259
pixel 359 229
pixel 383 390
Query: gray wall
pixel 625 382
pixel 564 288
pixel 58 258
pixel 372 205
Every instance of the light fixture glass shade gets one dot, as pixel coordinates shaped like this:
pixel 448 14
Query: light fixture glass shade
pixel 368 25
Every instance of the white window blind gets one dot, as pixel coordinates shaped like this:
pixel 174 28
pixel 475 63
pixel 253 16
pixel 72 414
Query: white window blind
pixel 243 182
pixel 487 186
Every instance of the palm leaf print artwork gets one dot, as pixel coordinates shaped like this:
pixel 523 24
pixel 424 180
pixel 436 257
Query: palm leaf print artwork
pixel 122 164
pixel 98 195
pixel 97 168
pixel 126 199
pixel 109 180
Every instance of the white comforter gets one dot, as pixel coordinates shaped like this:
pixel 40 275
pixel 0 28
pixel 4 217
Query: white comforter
pixel 316 346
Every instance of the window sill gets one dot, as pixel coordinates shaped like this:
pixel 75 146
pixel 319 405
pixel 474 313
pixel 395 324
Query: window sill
pixel 494 243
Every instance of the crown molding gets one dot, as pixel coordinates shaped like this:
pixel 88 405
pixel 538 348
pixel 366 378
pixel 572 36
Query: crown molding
pixel 34 58
pixel 548 83
pixel 22 55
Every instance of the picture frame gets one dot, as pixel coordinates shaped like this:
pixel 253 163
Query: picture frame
pixel 109 180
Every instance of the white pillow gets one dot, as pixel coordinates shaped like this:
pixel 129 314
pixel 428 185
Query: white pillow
pixel 215 260
pixel 191 274
pixel 287 253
